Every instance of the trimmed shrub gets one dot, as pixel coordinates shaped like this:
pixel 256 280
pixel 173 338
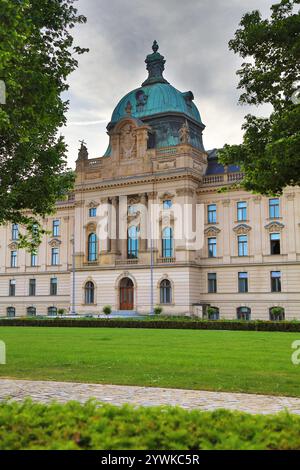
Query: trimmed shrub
pixel 92 426
pixel 158 310
pixel 157 322
pixel 107 309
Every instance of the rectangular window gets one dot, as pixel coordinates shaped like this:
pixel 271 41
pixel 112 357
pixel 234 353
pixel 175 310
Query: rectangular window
pixel 274 208
pixel 212 283
pixel 14 231
pixel 53 286
pixel 55 228
pixel 13 259
pixel 32 286
pixel 212 247
pixel 12 287
pixel 33 259
pixel 167 204
pixel 212 213
pixel 241 211
pixel 242 245
pixel 275 281
pixel 243 282
pixel 54 256
pixel 92 212
pixel 275 243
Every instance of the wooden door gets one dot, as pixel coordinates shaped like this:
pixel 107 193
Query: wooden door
pixel 126 294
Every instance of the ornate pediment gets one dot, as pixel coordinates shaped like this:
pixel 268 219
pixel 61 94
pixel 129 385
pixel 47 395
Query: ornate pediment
pixel 54 242
pixel 13 246
pixel 242 229
pixel 212 231
pixel 166 195
pixel 91 227
pixel 93 204
pixel 274 226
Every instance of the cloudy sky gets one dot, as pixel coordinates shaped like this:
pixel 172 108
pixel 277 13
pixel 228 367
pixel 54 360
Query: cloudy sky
pixel 193 36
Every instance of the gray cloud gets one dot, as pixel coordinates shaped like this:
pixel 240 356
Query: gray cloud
pixel 193 36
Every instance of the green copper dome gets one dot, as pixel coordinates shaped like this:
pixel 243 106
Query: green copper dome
pixel 157 98
pixel 164 108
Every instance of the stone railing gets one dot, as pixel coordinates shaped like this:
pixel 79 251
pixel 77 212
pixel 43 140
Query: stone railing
pixel 127 261
pixel 226 178
pixel 168 260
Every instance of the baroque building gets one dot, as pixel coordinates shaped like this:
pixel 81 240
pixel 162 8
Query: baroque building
pixel 120 237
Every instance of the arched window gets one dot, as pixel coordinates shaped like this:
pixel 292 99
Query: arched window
pixel 243 313
pixel 277 314
pixel 92 247
pixel 132 242
pixel 213 313
pixel 89 292
pixel 11 311
pixel 165 292
pixel 167 242
pixel 52 311
pixel 31 311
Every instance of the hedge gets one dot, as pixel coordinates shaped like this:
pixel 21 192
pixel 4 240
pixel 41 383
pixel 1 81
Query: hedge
pixel 253 325
pixel 92 426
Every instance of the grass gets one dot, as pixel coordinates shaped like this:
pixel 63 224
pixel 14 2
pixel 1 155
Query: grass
pixel 255 362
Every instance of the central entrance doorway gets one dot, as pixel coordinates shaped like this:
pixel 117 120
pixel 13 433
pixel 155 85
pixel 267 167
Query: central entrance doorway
pixel 126 294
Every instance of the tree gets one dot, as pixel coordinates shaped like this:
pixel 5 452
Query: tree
pixel 36 57
pixel 270 152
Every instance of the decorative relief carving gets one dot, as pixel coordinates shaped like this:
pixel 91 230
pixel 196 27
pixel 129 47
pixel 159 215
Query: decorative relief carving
pixel 212 231
pixel 128 141
pixel 274 226
pixel 13 246
pixel 54 242
pixel 93 204
pixel 242 229
pixel 257 199
pixel 91 227
pixel 166 165
pixel 290 196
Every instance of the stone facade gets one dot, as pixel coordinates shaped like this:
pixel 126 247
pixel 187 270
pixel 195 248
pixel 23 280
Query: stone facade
pixel 237 238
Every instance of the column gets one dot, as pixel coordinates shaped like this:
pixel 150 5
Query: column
pixel 143 222
pixel 226 232
pixel 113 225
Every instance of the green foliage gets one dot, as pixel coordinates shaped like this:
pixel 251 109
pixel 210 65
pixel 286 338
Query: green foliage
pixel 61 311
pixel 36 57
pixel 107 309
pixel 95 426
pixel 269 154
pixel 158 310
pixel 277 312
pixel 183 323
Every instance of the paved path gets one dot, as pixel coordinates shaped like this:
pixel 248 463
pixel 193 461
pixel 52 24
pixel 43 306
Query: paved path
pixel 147 396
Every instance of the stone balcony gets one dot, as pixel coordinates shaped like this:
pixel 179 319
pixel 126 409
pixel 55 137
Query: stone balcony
pixel 220 180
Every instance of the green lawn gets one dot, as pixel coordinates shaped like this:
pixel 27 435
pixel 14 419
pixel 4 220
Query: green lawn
pixel 257 362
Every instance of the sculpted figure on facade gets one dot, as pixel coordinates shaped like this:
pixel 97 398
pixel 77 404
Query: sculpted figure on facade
pixel 128 141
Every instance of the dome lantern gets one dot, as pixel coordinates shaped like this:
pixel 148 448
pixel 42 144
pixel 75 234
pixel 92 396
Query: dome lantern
pixel 155 66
